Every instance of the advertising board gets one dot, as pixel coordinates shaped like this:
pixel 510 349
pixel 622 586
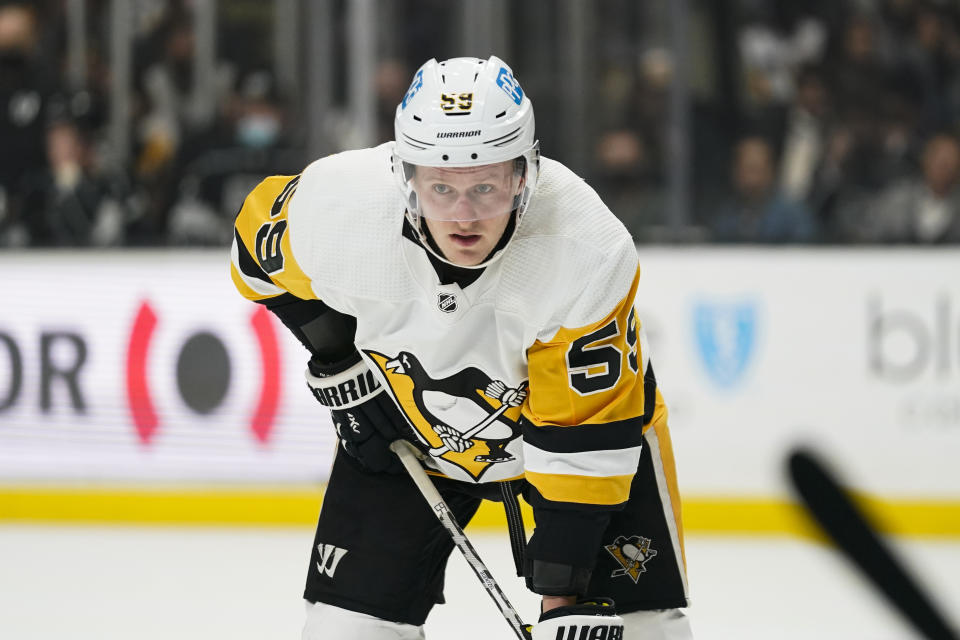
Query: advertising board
pixel 148 367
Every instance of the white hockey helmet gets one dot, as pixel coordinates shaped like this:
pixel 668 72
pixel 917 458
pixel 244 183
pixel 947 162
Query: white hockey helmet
pixel 465 112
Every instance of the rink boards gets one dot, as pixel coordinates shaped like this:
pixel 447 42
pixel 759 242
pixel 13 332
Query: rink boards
pixel 139 386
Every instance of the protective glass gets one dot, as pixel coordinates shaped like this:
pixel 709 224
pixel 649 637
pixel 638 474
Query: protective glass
pixel 465 194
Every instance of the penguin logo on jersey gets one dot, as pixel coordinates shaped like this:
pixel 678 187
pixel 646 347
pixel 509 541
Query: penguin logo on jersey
pixel 467 419
pixel 632 554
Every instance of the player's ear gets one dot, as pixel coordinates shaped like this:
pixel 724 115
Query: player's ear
pixel 521 183
pixel 518 193
pixel 520 169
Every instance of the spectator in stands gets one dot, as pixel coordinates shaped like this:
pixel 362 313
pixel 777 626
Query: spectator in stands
pixel 68 204
pixel 870 132
pixel 758 210
pixel 930 60
pixel 24 94
pixel 390 80
pixel 831 165
pixel 859 73
pixel 179 111
pixel 777 39
pixel 219 170
pixel 628 158
pixel 923 209
pixel 805 135
pixel 621 159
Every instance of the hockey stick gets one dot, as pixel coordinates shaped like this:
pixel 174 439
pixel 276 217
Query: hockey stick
pixel 408 456
pixel 436 452
pixel 847 526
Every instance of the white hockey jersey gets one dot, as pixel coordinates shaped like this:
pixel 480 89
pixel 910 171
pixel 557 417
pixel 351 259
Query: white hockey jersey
pixel 548 331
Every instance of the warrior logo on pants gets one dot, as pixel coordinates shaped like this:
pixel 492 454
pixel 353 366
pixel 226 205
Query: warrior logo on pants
pixel 329 557
pixel 466 418
pixel 632 553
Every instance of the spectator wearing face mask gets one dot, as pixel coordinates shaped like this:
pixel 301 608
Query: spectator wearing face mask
pixel 252 141
pixel 180 111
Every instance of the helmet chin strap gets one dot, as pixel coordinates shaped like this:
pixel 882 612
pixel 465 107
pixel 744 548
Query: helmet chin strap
pixel 426 239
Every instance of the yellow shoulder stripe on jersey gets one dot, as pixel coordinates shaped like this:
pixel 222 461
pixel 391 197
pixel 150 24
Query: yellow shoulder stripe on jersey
pixel 609 490
pixel 262 226
pixel 589 374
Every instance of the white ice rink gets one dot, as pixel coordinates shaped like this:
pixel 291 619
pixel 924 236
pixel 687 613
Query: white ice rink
pixel 150 583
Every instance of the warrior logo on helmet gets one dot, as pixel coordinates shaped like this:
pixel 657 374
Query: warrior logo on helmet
pixel 467 419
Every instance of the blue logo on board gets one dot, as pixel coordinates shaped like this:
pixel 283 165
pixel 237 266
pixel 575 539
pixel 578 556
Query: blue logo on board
pixel 726 338
pixel 414 88
pixel 509 84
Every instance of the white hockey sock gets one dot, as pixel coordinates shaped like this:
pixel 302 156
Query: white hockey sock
pixel 660 624
pixel 327 622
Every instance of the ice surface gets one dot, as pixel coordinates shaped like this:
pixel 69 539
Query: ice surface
pixel 105 583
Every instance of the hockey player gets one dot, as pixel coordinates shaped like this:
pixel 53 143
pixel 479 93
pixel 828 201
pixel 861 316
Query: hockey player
pixel 457 290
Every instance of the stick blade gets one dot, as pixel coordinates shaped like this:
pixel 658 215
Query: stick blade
pixel 844 523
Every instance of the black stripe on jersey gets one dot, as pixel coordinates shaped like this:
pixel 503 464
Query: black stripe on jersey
pixel 279 301
pixel 649 393
pixel 248 266
pixel 621 434
pixel 282 198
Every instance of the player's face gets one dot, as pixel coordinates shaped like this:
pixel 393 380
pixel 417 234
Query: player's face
pixel 467 209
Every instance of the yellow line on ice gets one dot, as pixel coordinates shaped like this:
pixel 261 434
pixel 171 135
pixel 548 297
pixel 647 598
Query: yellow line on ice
pixel 298 506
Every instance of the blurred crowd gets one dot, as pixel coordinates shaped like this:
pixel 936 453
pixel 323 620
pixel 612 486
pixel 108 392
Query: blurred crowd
pixel 822 121
pixel 818 122
pixel 189 162
pixel 855 119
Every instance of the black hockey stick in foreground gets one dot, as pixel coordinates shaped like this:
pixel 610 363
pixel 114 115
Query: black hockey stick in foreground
pixel 408 456
pixel 847 526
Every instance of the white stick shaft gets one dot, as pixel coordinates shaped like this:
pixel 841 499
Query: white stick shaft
pixel 408 457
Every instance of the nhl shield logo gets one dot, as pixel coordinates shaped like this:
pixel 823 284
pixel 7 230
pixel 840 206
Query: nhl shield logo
pixel 632 554
pixel 725 335
pixel 447 302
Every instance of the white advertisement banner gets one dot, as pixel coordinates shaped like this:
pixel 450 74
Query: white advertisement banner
pixel 853 352
pixel 148 367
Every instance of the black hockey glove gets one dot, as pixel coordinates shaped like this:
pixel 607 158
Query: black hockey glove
pixel 365 417
pixel 589 618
